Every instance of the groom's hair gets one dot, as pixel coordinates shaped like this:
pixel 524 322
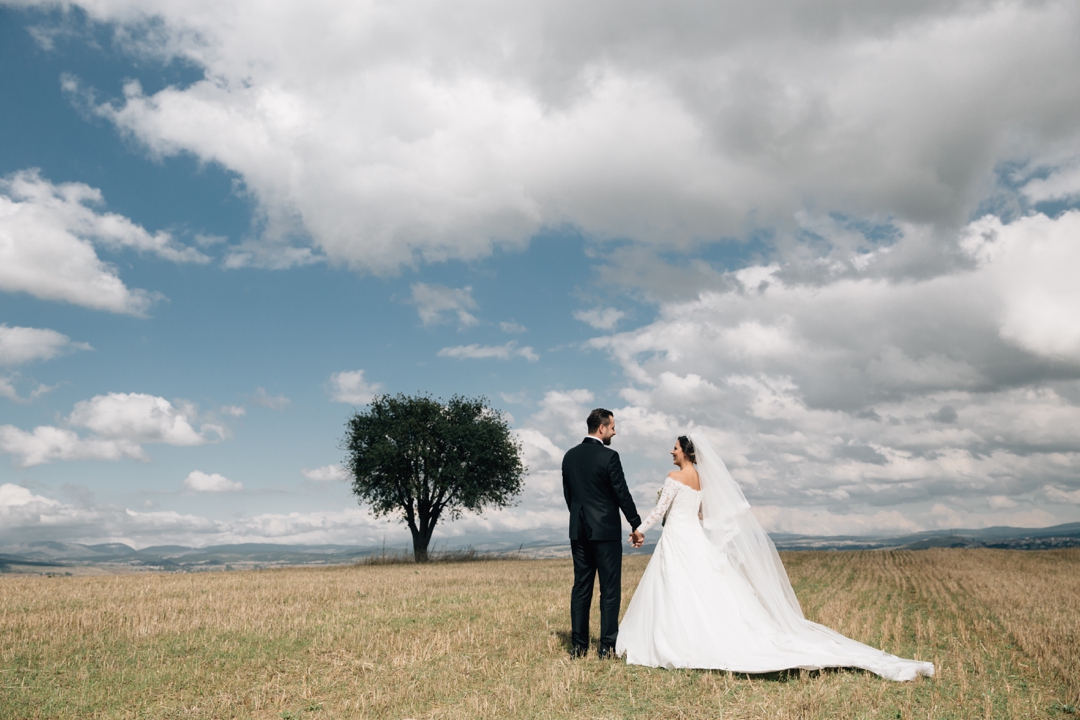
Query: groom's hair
pixel 598 417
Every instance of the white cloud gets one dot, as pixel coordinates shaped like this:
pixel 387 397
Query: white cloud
pixel 932 370
pixel 350 387
pixel 1058 495
pixel 479 126
pixel 498 352
pixel 48 235
pixel 433 301
pixel 538 449
pixel 46 444
pixel 600 318
pixel 834 387
pixel 326 473
pixel 562 414
pixel 142 418
pixel 198 481
pixel 822 522
pixel 1001 502
pixel 20 345
pixel 14 496
pixel 25 516
pixel 261 398
pixel 119 424
pixel 1032 265
pixel 512 327
pixel 1061 184
pixel 234 410
pixel 9 391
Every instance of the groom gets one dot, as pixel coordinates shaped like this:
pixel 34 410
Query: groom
pixel 595 491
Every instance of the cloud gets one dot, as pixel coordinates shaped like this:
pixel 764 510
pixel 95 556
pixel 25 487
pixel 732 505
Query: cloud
pixel 499 352
pixel 119 424
pixel 538 449
pixel 1032 263
pixel 141 418
pixel 198 481
pixel 512 327
pixel 476 128
pixel 561 416
pixel 855 339
pixel 8 389
pixel 350 387
pixel 433 301
pixel 883 351
pixel 48 239
pixel 838 388
pixel 19 345
pixel 326 473
pixel 1058 495
pixel 25 517
pixel 1063 183
pixel 271 402
pixel 46 444
pixel 600 318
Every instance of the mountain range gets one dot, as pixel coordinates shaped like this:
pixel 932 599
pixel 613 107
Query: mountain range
pixel 59 558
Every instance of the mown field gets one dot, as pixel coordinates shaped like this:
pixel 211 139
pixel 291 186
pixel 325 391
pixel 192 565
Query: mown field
pixel 489 640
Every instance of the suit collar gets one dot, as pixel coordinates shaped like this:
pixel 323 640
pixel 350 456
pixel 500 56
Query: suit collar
pixel 590 438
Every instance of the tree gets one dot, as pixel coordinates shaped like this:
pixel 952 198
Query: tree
pixel 429 460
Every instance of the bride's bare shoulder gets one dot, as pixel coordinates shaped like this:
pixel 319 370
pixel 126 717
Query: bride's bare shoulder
pixel 687 477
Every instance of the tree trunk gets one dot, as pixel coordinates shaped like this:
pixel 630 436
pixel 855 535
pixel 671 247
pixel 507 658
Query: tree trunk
pixel 420 540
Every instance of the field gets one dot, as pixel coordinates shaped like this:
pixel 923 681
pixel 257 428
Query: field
pixel 489 640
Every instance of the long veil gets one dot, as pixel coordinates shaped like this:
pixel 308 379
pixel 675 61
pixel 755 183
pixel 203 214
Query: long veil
pixel 735 532
pixel 732 528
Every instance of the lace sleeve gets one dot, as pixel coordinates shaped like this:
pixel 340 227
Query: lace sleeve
pixel 671 488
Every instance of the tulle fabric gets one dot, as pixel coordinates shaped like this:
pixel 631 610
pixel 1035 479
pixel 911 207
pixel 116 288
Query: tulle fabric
pixel 716 596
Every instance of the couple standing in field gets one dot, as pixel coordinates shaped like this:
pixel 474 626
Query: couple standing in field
pixel 715 594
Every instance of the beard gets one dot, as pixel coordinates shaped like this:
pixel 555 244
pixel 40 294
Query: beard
pixel 606 441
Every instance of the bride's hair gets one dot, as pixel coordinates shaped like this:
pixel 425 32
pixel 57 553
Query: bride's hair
pixel 687 446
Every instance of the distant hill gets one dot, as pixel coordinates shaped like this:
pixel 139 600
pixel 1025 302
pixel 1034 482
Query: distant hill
pixel 73 558
pixel 1067 535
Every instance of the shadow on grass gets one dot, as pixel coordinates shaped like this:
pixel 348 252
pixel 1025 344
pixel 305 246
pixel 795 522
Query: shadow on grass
pixel 565 639
pixel 793 674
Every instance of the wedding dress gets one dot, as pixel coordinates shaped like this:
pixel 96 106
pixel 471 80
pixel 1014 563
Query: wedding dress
pixel 716 596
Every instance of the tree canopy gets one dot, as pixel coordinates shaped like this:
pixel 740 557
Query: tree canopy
pixel 427 460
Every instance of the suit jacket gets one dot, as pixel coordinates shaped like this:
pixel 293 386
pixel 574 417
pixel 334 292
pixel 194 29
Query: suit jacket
pixel 595 490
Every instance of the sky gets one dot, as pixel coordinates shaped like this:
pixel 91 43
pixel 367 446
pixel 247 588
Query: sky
pixel 838 238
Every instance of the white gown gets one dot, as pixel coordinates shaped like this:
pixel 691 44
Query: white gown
pixel 694 609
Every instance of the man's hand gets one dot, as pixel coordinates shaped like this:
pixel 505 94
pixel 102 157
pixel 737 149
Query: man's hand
pixel 637 539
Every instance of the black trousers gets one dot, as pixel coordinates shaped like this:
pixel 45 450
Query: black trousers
pixel 592 557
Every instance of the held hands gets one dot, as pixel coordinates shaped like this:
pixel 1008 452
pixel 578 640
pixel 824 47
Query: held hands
pixel 637 539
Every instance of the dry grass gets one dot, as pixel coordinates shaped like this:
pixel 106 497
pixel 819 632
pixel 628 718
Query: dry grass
pixel 461 555
pixel 488 640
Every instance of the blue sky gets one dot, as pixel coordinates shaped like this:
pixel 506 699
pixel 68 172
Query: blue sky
pixel 842 245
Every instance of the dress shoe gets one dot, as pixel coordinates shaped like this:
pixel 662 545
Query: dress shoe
pixel 579 652
pixel 605 652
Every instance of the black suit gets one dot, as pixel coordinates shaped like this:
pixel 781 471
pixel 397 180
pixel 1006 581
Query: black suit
pixel 595 490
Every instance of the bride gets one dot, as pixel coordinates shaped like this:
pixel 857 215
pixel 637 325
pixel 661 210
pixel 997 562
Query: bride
pixel 715 594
